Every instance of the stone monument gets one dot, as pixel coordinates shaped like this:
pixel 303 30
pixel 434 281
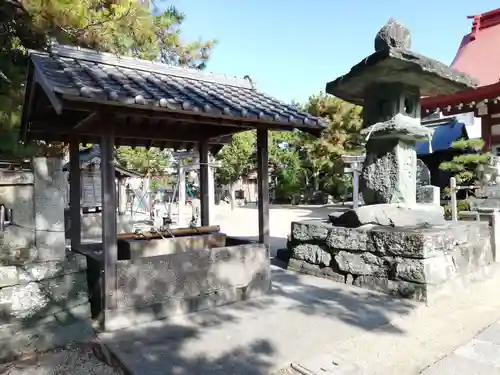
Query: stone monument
pixel 44 300
pixel 393 243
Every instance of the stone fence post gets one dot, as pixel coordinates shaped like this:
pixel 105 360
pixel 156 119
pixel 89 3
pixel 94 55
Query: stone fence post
pixel 453 196
pixel 495 235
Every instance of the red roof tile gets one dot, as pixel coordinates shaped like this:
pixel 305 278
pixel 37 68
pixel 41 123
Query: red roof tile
pixel 478 54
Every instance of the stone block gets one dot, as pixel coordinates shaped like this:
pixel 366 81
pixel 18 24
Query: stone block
pixel 18 339
pixel 423 174
pixel 352 239
pixel 429 194
pixel 362 263
pixel 392 215
pixel 188 274
pixel 310 231
pixel 35 300
pixel 20 199
pixel 23 255
pixel 129 316
pixel 433 270
pixel 8 276
pixel 315 254
pixel 399 288
pixel 19 177
pixel 421 264
pixel 316 270
pixel 72 263
pixel 16 243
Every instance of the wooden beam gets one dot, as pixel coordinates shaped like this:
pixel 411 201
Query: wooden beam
pixel 49 92
pixel 204 189
pixel 263 185
pixel 141 131
pixel 87 122
pixel 109 233
pixel 75 193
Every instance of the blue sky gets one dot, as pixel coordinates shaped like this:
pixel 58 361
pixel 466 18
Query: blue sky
pixel 291 48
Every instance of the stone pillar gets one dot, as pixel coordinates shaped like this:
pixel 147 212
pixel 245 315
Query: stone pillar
pixel 389 172
pixel 109 240
pixel 49 208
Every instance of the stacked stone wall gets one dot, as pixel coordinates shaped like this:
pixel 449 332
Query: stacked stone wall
pixel 419 264
pixel 43 286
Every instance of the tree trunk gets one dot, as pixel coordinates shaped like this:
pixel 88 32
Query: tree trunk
pixel 232 191
pixel 316 181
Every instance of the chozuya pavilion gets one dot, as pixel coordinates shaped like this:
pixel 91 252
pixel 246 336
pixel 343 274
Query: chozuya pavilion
pixel 82 96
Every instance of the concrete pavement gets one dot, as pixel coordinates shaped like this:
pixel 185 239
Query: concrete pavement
pixel 260 336
pixel 480 356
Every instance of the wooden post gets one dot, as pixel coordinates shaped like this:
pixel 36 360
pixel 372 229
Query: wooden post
pixel 204 189
pixel 486 124
pixel 75 193
pixel 453 195
pixel 263 185
pixel 109 234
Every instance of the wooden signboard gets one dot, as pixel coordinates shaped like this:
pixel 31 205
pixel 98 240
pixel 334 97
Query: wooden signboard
pixel 91 188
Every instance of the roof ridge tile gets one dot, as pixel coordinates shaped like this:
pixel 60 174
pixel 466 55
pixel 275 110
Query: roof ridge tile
pixel 132 62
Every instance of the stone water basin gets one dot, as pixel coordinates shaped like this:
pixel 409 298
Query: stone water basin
pixel 161 277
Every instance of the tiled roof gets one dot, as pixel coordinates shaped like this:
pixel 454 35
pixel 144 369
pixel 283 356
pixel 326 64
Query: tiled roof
pixel 75 72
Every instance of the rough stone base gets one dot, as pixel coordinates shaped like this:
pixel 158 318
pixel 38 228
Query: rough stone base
pixel 43 305
pixel 419 264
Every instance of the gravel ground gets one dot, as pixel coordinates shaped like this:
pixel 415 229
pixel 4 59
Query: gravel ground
pixel 74 361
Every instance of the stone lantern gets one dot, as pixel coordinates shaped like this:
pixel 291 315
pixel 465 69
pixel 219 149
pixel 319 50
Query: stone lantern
pixel 389 84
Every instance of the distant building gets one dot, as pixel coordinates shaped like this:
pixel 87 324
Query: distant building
pixel 445 131
pixel 477 56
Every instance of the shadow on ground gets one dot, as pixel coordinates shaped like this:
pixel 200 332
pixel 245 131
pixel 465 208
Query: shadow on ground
pixel 299 317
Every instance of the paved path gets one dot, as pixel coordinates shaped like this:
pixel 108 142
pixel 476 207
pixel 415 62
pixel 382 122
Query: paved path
pixel 480 356
pixel 257 337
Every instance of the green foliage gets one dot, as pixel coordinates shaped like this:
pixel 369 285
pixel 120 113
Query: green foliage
pixel 464 167
pixel 236 158
pixel 125 27
pixel 322 156
pixel 300 161
pixel 462 205
pixel 143 160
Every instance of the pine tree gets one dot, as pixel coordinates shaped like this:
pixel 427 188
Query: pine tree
pixel 125 27
pixel 466 166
